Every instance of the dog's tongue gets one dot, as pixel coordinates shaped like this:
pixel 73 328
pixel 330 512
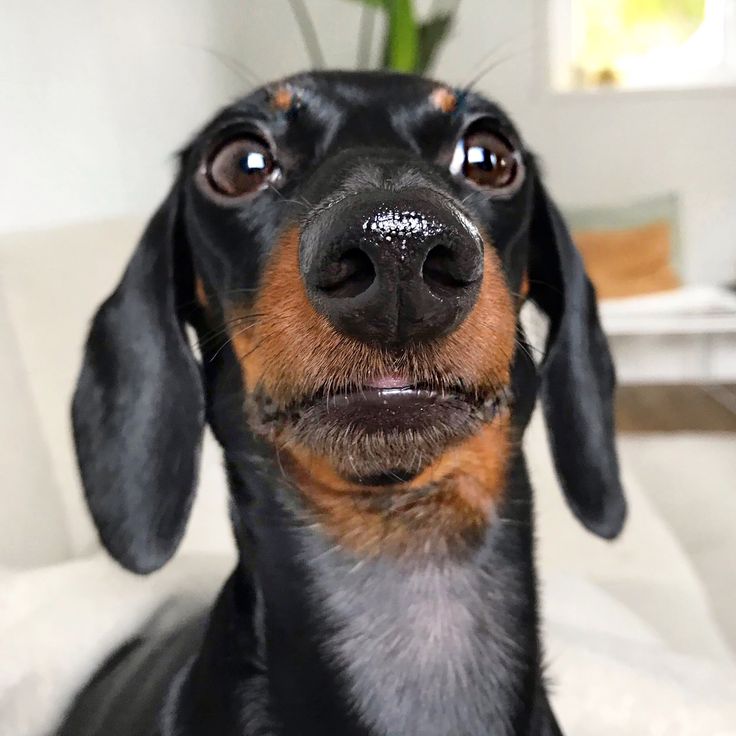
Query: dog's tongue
pixel 390 380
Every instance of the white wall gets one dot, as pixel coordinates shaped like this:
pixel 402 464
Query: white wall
pixel 97 94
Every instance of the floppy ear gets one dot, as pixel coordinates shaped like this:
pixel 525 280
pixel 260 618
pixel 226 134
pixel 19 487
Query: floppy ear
pixel 138 410
pixel 577 375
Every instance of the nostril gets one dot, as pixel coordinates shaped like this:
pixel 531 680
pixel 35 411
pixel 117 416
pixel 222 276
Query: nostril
pixel 444 272
pixel 348 276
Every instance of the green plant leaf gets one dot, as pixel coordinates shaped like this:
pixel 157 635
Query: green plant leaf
pixel 410 46
pixel 432 35
pixel 403 36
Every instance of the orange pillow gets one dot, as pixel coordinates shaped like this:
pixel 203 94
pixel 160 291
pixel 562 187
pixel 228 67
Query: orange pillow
pixel 628 262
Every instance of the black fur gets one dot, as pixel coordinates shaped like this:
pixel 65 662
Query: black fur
pixel 279 654
pixel 139 380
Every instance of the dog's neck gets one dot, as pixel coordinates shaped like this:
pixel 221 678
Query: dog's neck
pixel 381 646
pixel 427 648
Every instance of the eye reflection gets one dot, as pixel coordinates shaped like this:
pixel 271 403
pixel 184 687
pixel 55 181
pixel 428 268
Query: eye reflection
pixel 487 160
pixel 253 162
pixel 239 168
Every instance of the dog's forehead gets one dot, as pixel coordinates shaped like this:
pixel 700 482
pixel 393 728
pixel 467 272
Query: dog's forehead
pixel 351 90
pixel 333 99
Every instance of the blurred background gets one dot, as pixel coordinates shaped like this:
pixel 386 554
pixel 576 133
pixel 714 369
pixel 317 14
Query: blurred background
pixel 631 106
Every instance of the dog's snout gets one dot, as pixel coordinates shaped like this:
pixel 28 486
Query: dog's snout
pixel 392 270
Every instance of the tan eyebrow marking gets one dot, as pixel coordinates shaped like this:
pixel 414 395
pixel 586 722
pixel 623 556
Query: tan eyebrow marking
pixel 282 98
pixel 444 99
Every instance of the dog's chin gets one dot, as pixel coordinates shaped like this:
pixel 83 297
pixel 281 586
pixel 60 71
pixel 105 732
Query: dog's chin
pixel 385 436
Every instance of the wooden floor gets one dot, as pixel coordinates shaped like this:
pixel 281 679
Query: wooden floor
pixel 676 408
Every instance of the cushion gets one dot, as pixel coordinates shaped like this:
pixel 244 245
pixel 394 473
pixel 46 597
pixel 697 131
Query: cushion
pixel 629 250
pixel 628 262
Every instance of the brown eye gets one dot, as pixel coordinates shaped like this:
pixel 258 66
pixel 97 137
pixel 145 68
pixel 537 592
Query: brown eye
pixel 240 167
pixel 488 160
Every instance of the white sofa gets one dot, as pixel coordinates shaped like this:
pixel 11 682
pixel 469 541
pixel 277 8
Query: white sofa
pixel 633 647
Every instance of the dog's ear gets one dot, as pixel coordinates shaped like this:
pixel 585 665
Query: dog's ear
pixel 577 374
pixel 138 410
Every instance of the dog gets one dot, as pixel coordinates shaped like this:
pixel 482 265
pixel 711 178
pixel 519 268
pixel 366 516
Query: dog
pixel 353 250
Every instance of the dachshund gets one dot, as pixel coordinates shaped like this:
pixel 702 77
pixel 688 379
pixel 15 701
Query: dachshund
pixel 352 251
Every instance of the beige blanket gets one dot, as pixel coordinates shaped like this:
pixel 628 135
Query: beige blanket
pixel 609 675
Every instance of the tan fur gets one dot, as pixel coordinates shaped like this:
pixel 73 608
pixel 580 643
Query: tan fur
pixel 449 500
pixel 524 288
pixel 200 293
pixel 292 351
pixel 444 99
pixel 282 98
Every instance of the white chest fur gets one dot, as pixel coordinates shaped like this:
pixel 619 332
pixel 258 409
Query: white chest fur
pixel 429 651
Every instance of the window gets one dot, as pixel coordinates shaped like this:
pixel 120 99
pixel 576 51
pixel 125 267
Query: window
pixel 642 44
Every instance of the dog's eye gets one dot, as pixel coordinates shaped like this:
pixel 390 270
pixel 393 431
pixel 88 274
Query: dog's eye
pixel 487 160
pixel 240 167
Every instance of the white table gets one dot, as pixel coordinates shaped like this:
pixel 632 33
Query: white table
pixel 683 336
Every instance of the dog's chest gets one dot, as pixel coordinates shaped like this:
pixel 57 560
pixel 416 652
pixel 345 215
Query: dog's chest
pixel 426 652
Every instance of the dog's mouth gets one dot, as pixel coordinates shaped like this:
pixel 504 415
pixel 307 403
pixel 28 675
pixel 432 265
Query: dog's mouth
pixel 386 430
pixel 389 406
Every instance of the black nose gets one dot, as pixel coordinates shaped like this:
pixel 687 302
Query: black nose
pixel 392 270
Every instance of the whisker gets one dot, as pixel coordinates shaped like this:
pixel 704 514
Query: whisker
pixel 495 65
pixel 488 64
pixel 547 285
pixel 512 522
pixel 231 64
pixel 278 459
pixel 231 339
pixel 241 358
pixel 223 329
pixel 532 347
pixel 301 202
pixel 469 196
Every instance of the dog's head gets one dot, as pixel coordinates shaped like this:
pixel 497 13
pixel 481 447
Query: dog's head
pixel 354 251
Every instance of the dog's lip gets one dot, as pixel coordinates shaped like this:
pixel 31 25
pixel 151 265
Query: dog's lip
pixel 393 389
pixel 390 381
pixel 395 397
pixel 397 394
